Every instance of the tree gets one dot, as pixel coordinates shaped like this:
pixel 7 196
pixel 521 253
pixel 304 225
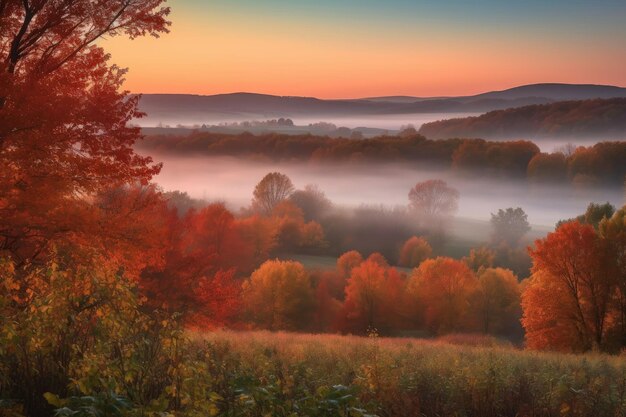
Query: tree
pixel 509 226
pixel 480 258
pixel 613 232
pixel 546 167
pixel 212 232
pixel 348 261
pixel 594 214
pixel 312 201
pixel 261 233
pixel 414 251
pixel 63 115
pixel 433 198
pixel 372 296
pixel 205 250
pixel 497 302
pixel 271 190
pixel 279 296
pixel 442 289
pixel 292 232
pixel 379 259
pixel 567 302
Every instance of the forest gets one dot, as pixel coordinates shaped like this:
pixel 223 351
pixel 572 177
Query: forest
pixel 120 299
pixel 599 164
pixel 584 119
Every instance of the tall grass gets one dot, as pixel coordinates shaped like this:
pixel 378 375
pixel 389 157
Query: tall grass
pixel 277 373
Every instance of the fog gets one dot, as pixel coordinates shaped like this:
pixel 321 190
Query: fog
pixel 383 121
pixel 232 180
pixel 391 122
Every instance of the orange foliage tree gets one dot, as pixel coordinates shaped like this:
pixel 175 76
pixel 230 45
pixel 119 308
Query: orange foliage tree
pixel 414 251
pixel 567 304
pixel 348 261
pixel 442 290
pixel 373 292
pixel 291 230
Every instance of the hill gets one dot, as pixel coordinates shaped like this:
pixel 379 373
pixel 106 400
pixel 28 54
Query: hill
pixel 598 118
pixel 198 109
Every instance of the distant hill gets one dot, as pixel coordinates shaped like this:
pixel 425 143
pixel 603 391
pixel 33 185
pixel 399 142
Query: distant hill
pixel 598 118
pixel 555 92
pixel 197 109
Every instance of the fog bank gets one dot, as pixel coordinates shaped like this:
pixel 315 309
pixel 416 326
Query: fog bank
pixel 232 180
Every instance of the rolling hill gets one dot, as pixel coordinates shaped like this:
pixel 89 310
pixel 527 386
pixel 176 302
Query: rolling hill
pixel 197 109
pixel 586 119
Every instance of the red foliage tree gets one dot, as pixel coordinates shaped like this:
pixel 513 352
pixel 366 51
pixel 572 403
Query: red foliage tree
pixel 567 302
pixel 205 251
pixel 63 115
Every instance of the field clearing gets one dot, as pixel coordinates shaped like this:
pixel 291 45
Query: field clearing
pixel 410 377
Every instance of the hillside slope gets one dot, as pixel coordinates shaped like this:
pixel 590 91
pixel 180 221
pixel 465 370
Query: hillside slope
pixel 599 118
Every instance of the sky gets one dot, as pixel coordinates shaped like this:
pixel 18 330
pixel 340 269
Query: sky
pixel 365 48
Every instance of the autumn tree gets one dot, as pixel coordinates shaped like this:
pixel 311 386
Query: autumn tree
pixel 480 258
pixel 567 302
pixel 312 201
pixel 205 251
pixel 271 190
pixel 442 289
pixel 214 232
pixel 548 167
pixel 414 251
pixel 328 306
pixel 293 232
pixel 63 115
pixel 433 198
pixel 613 232
pixel 347 261
pixel 378 259
pixel 261 233
pixel 372 295
pixel 594 214
pixel 509 226
pixel 279 296
pixel 497 301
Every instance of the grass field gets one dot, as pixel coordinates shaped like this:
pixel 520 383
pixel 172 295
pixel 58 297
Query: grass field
pixel 282 374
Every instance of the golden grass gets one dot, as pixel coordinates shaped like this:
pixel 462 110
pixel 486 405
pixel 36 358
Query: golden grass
pixel 404 376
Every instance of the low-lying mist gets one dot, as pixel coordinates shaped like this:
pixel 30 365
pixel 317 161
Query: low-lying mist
pixel 233 180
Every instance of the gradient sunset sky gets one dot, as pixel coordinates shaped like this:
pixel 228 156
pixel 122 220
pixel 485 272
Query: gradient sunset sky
pixel 362 48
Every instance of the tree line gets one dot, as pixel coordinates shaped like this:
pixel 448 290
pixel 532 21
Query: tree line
pixel 600 164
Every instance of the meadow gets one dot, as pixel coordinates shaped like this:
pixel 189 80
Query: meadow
pixel 261 373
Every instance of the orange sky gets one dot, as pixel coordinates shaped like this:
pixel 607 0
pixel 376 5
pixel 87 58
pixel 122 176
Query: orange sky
pixel 215 48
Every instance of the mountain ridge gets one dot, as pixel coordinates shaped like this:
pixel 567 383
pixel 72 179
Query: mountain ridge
pixel 196 108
